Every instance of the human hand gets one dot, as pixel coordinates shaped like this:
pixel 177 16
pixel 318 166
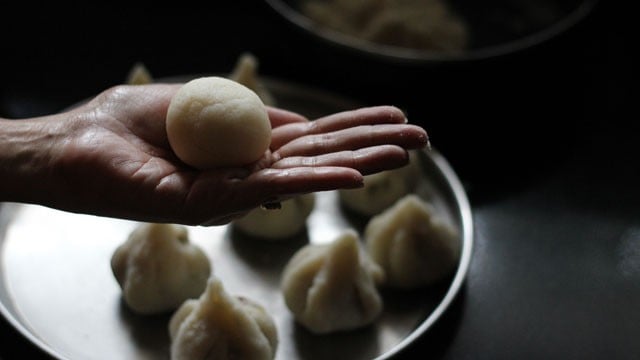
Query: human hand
pixel 111 157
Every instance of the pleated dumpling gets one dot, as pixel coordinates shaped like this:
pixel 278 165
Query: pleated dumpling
pixel 382 189
pixel 246 73
pixel 332 287
pixel 219 326
pixel 412 243
pixel 139 75
pixel 278 224
pixel 158 268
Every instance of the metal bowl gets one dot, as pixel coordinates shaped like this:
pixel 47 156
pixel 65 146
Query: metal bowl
pixel 491 28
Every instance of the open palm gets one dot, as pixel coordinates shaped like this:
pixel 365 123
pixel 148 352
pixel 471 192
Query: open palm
pixel 112 158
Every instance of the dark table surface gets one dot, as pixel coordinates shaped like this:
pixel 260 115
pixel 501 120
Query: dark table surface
pixel 545 142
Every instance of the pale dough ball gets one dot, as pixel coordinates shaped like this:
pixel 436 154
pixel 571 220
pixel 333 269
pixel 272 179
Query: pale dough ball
pixel 217 122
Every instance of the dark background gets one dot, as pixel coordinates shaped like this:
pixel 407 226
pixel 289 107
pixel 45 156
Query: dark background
pixel 544 140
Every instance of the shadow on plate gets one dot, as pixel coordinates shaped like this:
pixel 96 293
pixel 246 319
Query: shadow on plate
pixel 360 344
pixel 438 338
pixel 263 254
pixel 150 333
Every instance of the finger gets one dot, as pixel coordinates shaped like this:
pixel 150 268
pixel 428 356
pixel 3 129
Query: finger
pixel 364 116
pixel 279 117
pixel 403 135
pixel 367 160
pixel 224 219
pixel 270 185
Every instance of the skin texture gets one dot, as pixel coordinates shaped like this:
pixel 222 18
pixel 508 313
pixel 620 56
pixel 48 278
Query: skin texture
pixel 111 157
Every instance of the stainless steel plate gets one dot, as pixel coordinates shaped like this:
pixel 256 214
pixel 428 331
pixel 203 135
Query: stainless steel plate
pixel 57 288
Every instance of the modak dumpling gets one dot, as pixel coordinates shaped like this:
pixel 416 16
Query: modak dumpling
pixel 412 243
pixel 333 287
pixel 139 75
pixel 246 73
pixel 382 189
pixel 219 326
pixel 158 268
pixel 416 24
pixel 277 224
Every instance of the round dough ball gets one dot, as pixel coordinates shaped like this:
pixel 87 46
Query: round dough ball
pixel 216 122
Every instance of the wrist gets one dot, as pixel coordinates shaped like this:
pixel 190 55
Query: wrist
pixel 25 153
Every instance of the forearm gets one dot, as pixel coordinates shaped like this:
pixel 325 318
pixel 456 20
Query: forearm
pixel 25 155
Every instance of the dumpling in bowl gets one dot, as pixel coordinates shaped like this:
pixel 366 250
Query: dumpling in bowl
pixel 332 287
pixel 412 243
pixel 415 24
pixel 219 326
pixel 278 224
pixel 382 189
pixel 158 268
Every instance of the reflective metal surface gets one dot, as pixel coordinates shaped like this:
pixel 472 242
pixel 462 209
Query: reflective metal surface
pixel 495 28
pixel 57 289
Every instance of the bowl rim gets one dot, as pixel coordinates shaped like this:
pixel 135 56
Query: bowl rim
pixel 401 54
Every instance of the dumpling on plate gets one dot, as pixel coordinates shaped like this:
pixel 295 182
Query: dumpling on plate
pixel 332 287
pixel 278 224
pixel 220 326
pixel 139 75
pixel 246 73
pixel 412 243
pixel 382 189
pixel 158 268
